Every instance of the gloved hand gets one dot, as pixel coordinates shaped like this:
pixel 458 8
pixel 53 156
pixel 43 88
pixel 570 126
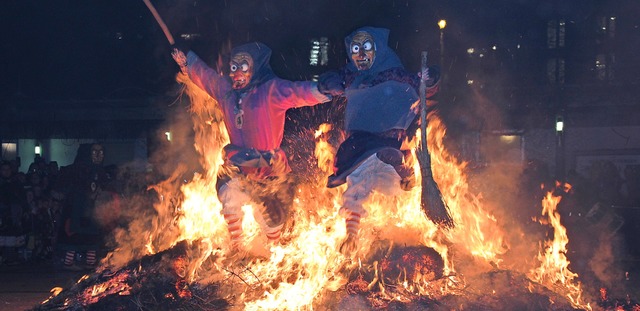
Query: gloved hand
pixel 330 83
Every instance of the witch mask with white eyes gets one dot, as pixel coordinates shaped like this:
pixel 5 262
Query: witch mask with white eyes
pixel 241 70
pixel 363 50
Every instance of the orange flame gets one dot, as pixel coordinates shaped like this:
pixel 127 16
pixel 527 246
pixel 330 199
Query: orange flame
pixel 554 270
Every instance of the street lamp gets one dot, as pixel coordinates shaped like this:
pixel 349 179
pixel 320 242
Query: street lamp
pixel 559 127
pixel 559 124
pixel 442 24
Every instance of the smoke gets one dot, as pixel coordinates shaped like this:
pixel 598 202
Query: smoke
pixel 603 263
pixel 148 217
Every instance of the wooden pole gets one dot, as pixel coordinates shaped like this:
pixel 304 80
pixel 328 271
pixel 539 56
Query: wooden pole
pixel 431 199
pixel 164 27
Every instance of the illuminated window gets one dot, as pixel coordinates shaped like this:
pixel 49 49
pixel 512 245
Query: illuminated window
pixel 9 151
pixel 555 33
pixel 607 26
pixel 555 70
pixel 504 147
pixel 319 54
pixel 605 61
pixel 603 67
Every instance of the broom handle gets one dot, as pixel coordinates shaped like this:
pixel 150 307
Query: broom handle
pixel 423 116
pixel 164 27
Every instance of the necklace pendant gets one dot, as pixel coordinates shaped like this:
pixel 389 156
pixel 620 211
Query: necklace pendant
pixel 239 118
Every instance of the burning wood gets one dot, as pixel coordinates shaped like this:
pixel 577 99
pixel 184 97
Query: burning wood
pixel 153 282
pixel 393 278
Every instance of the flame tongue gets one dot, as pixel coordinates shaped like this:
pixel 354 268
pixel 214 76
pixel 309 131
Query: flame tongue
pixel 554 270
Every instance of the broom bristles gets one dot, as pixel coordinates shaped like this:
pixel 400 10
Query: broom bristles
pixel 434 206
pixel 431 200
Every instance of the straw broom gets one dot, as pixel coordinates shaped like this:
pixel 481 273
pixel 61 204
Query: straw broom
pixel 431 199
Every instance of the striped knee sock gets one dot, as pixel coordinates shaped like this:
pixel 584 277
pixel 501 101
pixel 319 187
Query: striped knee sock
pixel 234 225
pixel 273 234
pixel 91 258
pixel 69 257
pixel 353 223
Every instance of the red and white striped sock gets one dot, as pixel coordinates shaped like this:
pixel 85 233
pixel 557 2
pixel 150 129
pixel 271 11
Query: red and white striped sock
pixel 69 257
pixel 91 258
pixel 353 223
pixel 234 225
pixel 273 234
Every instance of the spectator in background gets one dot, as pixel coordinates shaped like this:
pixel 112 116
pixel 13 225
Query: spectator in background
pixel 11 198
pixel 34 183
pixel 39 166
pixel 52 172
pixel 81 184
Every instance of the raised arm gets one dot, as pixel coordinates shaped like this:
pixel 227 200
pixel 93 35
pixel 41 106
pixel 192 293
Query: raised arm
pixel 205 77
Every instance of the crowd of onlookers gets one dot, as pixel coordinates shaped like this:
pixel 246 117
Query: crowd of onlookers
pixel 28 212
pixel 47 213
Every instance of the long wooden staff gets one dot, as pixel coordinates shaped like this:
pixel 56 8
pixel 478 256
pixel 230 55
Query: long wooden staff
pixel 164 27
pixel 431 199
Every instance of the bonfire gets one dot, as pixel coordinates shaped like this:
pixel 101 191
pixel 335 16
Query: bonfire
pixel 179 257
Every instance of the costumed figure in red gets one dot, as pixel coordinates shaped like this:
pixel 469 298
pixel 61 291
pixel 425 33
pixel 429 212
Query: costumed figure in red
pixel 254 102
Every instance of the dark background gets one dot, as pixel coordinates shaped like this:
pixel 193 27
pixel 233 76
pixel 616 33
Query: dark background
pixel 78 49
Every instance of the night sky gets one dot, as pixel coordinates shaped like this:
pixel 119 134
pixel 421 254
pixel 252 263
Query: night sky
pixel 78 49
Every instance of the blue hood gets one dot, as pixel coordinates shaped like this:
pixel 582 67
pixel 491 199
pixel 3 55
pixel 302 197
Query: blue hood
pixel 384 106
pixel 385 57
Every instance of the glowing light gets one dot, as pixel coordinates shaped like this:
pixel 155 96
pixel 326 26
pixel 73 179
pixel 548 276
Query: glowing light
pixel 508 138
pixel 442 23
pixel 38 150
pixel 559 124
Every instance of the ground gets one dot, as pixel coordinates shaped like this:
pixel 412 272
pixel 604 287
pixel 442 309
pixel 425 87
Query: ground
pixel 26 285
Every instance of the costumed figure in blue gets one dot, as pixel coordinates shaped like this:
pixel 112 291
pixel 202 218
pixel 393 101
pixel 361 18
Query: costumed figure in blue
pixel 381 112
